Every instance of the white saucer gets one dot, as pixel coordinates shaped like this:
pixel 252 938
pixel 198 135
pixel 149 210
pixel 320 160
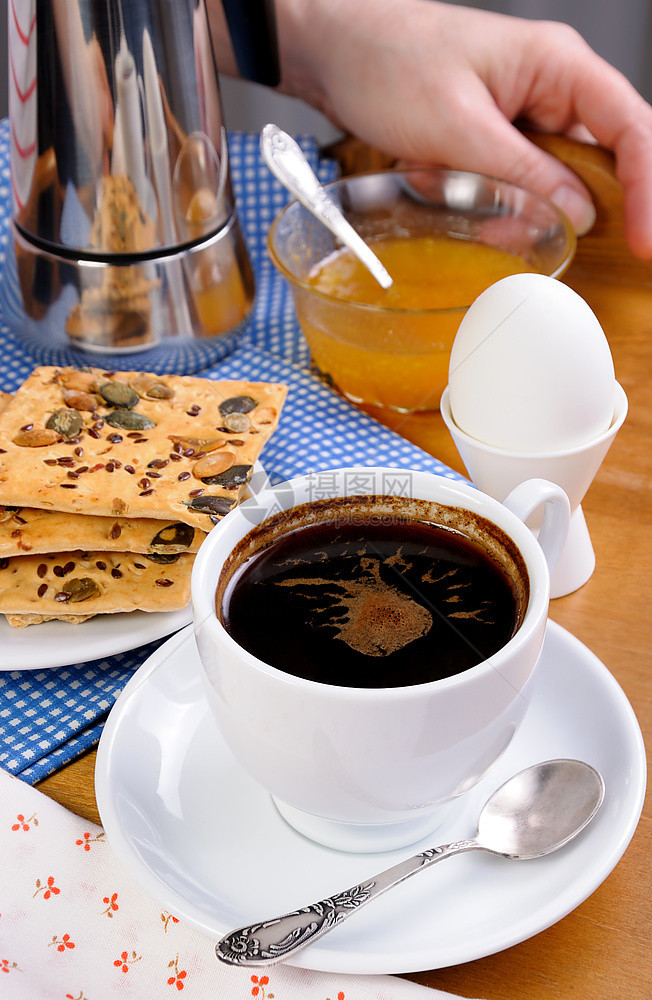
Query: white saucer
pixel 206 841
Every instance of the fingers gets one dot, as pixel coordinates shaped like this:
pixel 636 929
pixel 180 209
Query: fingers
pixel 441 84
pixel 548 74
pixel 573 86
pixel 505 152
pixel 591 96
pixel 622 122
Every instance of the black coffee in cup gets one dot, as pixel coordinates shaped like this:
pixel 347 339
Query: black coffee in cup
pixel 373 592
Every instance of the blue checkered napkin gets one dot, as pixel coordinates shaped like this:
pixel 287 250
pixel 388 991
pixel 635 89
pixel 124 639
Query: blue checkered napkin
pixel 271 326
pixel 48 717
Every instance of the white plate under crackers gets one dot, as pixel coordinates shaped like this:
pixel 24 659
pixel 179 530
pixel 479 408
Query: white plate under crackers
pixel 58 644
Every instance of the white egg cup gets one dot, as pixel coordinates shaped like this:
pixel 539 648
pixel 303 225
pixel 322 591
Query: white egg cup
pixel 497 471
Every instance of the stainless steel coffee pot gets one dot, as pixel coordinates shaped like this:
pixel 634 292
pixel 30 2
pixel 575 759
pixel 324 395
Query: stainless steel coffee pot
pixel 125 227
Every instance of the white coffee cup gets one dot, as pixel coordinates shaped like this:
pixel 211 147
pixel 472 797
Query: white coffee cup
pixel 374 769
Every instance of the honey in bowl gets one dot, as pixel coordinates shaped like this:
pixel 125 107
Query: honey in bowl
pixel 390 347
pixel 429 272
pixel 444 236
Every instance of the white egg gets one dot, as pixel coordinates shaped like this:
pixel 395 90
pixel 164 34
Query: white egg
pixel 530 368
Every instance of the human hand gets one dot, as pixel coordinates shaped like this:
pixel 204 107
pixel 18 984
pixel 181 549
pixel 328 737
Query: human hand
pixel 431 83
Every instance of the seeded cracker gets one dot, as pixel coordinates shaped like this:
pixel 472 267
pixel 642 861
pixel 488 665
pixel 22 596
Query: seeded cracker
pixel 26 530
pixel 76 585
pixel 133 444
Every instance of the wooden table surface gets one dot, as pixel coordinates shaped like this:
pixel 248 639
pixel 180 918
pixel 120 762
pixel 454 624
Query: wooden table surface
pixel 602 949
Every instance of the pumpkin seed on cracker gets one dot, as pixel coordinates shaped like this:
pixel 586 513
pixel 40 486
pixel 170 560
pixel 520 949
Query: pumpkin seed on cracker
pixel 78 589
pixel 236 475
pixel 119 394
pixel 129 420
pixel 178 535
pixel 237 404
pixel 237 422
pixel 211 505
pixel 67 422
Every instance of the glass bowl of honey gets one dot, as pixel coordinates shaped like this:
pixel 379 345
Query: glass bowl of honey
pixel 444 236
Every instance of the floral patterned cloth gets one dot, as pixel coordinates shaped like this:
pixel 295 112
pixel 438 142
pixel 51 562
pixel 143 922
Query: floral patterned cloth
pixel 75 926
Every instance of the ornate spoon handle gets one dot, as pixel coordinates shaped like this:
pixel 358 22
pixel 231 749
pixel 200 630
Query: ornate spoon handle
pixel 274 940
pixel 286 160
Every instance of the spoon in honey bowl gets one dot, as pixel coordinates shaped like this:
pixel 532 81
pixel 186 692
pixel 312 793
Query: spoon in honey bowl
pixel 288 163
pixel 534 813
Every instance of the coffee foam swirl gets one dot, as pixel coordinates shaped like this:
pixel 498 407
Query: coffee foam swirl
pixel 377 618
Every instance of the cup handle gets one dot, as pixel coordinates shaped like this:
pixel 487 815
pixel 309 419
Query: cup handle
pixel 524 500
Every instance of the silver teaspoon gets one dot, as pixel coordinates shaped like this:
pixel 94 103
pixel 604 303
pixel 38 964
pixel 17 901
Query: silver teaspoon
pixel 534 813
pixel 286 160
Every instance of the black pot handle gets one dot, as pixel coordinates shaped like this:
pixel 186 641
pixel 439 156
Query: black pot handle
pixel 252 26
